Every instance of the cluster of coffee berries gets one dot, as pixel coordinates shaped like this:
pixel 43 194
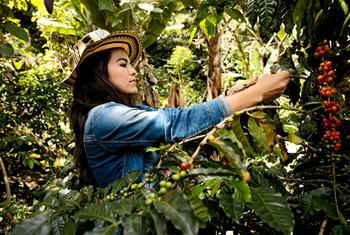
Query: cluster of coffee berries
pixel 183 172
pixel 321 49
pixel 325 82
pixel 331 106
pixel 332 138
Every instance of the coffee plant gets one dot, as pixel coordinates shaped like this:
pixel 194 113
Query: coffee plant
pixel 278 168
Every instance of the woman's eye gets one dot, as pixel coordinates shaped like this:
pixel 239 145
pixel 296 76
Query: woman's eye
pixel 123 65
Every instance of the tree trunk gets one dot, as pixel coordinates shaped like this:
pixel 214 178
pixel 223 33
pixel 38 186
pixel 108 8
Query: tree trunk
pixel 147 95
pixel 6 181
pixel 214 67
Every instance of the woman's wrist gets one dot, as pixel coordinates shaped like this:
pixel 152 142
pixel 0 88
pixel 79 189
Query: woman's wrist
pixel 245 99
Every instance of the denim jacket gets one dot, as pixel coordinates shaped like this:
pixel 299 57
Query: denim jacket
pixel 116 136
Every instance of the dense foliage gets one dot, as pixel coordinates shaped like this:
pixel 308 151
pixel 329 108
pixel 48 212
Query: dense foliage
pixel 278 168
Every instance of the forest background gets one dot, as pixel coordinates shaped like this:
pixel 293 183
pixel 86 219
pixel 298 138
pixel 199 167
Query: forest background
pixel 278 168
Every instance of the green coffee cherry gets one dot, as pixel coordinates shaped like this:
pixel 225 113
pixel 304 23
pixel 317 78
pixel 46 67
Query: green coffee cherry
pixel 134 186
pixel 163 190
pixel 168 185
pixel 152 195
pixel 176 177
pixel 183 174
pixel 162 183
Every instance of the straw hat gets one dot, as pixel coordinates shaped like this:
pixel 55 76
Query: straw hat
pixel 100 40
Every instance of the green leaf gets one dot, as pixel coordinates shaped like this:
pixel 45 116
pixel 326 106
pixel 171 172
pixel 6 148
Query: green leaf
pixel 192 3
pixel 232 207
pixel 102 211
pixel 16 31
pixel 69 228
pixel 235 14
pixel 266 14
pixel 129 178
pixel 133 225
pixel 237 129
pixel 159 224
pixel 200 209
pixel 299 13
pixel 258 134
pixel 228 144
pixel 57 224
pixel 106 5
pixel 252 11
pixel 211 171
pixel 58 27
pixel 272 208
pixel 149 7
pixel 295 139
pixel 110 230
pixel 340 230
pixel 7 50
pixel 175 208
pixel 242 191
pixel 327 206
pixel 306 205
pixel 208 25
pixel 197 190
pixel 39 224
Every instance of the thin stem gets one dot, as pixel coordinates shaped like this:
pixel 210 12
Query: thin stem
pixel 6 181
pixel 262 107
pixel 323 226
pixel 335 191
pixel 181 143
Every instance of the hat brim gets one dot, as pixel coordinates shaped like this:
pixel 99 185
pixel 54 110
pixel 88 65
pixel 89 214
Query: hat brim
pixel 125 40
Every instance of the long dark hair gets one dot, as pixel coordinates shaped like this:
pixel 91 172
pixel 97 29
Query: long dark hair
pixel 91 88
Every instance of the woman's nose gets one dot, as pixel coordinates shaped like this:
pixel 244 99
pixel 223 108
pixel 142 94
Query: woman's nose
pixel 132 71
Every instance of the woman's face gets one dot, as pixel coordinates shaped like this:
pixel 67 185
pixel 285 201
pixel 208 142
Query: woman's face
pixel 121 73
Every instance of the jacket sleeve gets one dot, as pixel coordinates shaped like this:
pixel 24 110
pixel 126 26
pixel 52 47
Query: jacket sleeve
pixel 117 126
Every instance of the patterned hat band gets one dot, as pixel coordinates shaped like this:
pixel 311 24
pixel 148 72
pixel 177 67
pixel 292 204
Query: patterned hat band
pixel 101 40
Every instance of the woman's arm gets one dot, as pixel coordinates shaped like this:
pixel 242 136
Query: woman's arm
pixel 269 87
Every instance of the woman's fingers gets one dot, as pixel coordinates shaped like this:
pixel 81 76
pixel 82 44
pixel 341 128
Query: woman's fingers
pixel 273 85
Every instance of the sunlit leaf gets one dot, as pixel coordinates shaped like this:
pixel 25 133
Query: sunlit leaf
pixel 229 148
pixel 242 191
pixel 258 134
pixel 149 7
pixel 294 139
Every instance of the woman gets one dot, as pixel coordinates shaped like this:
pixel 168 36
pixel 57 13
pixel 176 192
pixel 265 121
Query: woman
pixel 112 133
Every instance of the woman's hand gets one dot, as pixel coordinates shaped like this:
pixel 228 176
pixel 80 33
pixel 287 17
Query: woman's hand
pixel 272 86
pixel 269 87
